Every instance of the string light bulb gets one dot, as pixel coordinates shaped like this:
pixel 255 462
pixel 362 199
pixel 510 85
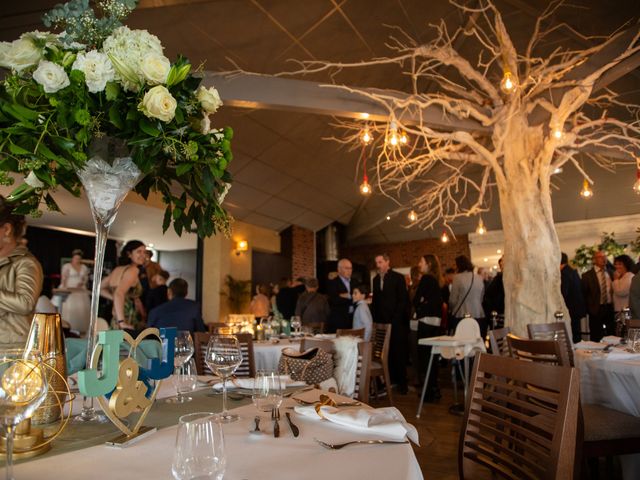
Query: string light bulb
pixel 557 132
pixel 508 83
pixel 481 230
pixel 413 216
pixel 388 217
pixel 365 188
pixel 366 136
pixel 403 138
pixel 445 237
pixel 636 186
pixel 586 191
pixel 393 138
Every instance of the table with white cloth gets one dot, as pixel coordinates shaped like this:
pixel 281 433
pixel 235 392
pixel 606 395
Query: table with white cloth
pixel 249 456
pixel 612 380
pixel 266 354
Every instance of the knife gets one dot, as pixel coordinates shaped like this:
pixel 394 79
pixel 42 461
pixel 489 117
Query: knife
pixel 295 430
pixel 276 426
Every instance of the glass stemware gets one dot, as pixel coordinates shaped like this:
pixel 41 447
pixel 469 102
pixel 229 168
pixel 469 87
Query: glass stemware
pixel 186 379
pixel 183 352
pixel 199 451
pixel 23 387
pixel 223 357
pixel 296 324
pixel 267 391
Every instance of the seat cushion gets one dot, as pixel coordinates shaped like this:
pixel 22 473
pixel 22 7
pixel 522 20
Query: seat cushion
pixel 602 423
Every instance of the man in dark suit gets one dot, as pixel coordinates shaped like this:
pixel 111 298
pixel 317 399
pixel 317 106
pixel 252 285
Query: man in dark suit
pixel 390 305
pixel 596 287
pixel 572 293
pixel 178 312
pixel 339 293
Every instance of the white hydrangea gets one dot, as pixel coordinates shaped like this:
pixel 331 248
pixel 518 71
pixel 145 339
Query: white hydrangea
pixel 126 49
pixel 51 76
pixel 97 69
pixel 19 54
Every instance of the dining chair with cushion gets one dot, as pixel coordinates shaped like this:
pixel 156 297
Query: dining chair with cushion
pixel 350 332
pixel 550 352
pixel 552 331
pixel 380 340
pixel 508 431
pixel 498 341
pixel 246 369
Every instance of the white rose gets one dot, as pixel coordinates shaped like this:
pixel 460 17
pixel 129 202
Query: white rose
pixel 209 99
pixel 51 76
pixel 19 54
pixel 33 181
pixel 97 69
pixel 155 68
pixel 158 103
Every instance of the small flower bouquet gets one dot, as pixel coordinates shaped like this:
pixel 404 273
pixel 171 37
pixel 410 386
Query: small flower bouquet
pixel 99 79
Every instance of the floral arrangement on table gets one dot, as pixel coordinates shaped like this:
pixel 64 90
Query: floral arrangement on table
pixel 96 79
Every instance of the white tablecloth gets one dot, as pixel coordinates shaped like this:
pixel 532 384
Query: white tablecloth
pixel 612 380
pixel 251 457
pixel 267 354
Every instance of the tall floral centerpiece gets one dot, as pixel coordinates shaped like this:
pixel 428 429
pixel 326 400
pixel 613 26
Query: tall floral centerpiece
pixel 98 106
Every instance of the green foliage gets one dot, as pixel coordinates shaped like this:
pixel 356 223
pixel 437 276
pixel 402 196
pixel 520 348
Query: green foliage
pixel 608 244
pixel 634 245
pixel 238 292
pixel 582 258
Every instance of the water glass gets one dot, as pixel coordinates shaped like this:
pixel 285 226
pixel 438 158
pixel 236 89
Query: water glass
pixel 633 339
pixel 267 391
pixel 184 348
pixel 223 357
pixel 186 380
pixel 199 451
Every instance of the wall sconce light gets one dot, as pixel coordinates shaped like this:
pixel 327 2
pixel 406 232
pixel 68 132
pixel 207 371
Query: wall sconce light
pixel 241 246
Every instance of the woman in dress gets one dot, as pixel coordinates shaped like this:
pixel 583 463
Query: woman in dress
pixel 76 308
pixel 427 302
pixel 122 286
pixel 261 302
pixel 622 282
pixel 20 278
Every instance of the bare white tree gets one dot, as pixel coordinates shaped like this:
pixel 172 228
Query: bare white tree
pixel 533 112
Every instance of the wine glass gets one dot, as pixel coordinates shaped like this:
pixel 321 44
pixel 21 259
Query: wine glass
pixel 223 358
pixel 23 387
pixel 199 451
pixel 267 391
pixel 296 324
pixel 182 354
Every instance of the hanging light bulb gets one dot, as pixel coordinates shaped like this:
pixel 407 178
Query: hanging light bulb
pixel 586 191
pixel 481 230
pixel 445 237
pixel 413 216
pixel 388 217
pixel 365 188
pixel 403 138
pixel 557 132
pixel 508 84
pixel 366 136
pixel 393 138
pixel 636 186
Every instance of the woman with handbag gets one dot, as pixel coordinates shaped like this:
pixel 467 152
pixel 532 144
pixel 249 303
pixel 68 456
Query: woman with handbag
pixel 428 307
pixel 467 291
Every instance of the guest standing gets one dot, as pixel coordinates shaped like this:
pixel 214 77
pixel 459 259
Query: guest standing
pixel 179 311
pixel 339 293
pixel 493 300
pixel 159 294
pixel 287 297
pixel 20 278
pixel 390 305
pixel 622 282
pixel 260 305
pixel 77 306
pixel 596 287
pixel 572 293
pixel 467 291
pixel 122 286
pixel 362 315
pixel 634 296
pixel 312 306
pixel 428 304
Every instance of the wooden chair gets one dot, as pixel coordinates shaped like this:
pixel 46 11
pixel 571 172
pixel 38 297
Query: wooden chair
pixel 350 332
pixel 552 331
pixel 246 369
pixel 498 341
pixel 539 351
pixel 380 339
pixel 362 371
pixel 633 323
pixel 506 429
pixel 327 345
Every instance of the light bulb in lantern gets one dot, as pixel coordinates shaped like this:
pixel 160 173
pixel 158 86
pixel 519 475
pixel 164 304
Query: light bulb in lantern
pixel 586 191
pixel 366 136
pixel 508 84
pixel 365 188
pixel 445 237
pixel 636 186
pixel 413 216
pixel 481 230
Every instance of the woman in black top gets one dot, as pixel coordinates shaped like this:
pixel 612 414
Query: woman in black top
pixel 428 306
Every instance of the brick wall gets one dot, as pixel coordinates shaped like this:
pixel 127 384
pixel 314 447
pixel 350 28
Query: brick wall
pixel 303 252
pixel 407 254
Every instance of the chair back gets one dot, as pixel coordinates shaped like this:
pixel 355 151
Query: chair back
pixel 552 331
pixel 380 339
pixel 467 328
pixel 326 345
pixel 550 352
pixel 246 369
pixel 498 341
pixel 316 327
pixel 506 429
pixel 362 371
pixel 633 323
pixel 350 332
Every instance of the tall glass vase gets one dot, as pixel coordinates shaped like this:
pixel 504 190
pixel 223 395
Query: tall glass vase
pixel 107 177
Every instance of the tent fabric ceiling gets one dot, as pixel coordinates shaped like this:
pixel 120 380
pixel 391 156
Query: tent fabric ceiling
pixel 285 171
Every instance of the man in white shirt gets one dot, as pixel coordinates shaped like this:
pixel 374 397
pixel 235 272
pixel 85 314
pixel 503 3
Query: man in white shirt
pixel 596 287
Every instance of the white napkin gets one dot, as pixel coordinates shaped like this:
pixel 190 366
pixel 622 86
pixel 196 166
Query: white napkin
pixel 384 422
pixel 325 336
pixel 588 345
pixel 247 383
pixel 611 340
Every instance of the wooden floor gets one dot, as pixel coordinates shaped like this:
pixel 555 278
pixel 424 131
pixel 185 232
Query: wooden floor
pixel 439 434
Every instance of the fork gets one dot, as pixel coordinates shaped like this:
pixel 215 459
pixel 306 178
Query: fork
pixel 338 446
pixel 338 404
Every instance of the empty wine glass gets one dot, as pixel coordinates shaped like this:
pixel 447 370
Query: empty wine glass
pixel 182 354
pixel 296 324
pixel 267 391
pixel 199 451
pixel 223 357
pixel 23 387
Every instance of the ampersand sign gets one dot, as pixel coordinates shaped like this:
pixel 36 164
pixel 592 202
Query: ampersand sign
pixel 130 393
